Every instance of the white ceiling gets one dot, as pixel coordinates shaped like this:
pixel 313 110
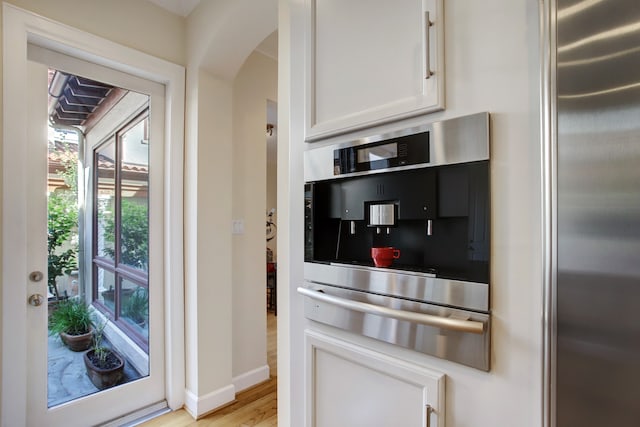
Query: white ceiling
pixel 179 7
pixel 269 46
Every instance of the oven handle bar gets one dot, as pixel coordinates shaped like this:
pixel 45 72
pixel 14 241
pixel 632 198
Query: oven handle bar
pixel 460 325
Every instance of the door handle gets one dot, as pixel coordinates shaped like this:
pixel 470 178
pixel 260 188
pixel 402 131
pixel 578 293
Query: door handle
pixel 35 300
pixel 427 49
pixel 470 326
pixel 36 276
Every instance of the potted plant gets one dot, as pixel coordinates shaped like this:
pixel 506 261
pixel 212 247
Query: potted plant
pixel 73 322
pixel 105 367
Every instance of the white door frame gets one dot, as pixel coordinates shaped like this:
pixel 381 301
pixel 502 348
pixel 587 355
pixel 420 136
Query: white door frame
pixel 20 27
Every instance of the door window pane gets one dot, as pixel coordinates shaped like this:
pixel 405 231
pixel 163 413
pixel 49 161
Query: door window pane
pixel 134 204
pixel 135 307
pixel 106 287
pixel 105 200
pixel 121 224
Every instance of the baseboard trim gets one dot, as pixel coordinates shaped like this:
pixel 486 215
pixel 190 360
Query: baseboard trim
pixel 251 378
pixel 203 405
pixel 198 407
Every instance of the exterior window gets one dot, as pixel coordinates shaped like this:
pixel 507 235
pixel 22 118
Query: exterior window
pixel 121 229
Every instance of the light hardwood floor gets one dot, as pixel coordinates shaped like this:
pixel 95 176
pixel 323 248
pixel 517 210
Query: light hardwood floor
pixel 257 406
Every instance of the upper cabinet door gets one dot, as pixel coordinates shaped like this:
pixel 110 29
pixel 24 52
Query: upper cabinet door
pixel 371 62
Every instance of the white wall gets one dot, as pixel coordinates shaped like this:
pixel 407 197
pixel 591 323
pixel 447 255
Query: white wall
pixel 220 36
pixel 207 233
pixel 492 65
pixel 255 83
pixel 137 24
pixel 207 218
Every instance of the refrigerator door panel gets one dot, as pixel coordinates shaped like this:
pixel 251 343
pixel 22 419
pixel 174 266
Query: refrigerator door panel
pixel 598 214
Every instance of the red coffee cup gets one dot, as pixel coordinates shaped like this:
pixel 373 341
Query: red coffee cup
pixel 383 257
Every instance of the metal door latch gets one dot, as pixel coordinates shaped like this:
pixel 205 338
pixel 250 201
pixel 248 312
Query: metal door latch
pixel 36 276
pixel 36 300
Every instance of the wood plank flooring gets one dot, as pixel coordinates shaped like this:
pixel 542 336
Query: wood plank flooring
pixel 255 407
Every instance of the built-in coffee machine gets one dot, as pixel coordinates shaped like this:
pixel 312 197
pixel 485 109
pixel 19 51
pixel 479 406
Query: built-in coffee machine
pixel 416 200
pixel 395 193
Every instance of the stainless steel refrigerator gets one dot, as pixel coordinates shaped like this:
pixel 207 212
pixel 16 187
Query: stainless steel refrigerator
pixel 595 299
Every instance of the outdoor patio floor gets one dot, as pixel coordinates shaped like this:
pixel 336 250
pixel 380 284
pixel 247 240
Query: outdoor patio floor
pixel 67 377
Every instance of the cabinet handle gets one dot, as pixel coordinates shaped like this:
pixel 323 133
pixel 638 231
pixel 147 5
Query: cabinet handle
pixel 460 325
pixel 429 410
pixel 427 50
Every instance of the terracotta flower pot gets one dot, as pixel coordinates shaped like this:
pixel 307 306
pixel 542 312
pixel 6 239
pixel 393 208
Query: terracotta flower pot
pixel 104 377
pixel 77 342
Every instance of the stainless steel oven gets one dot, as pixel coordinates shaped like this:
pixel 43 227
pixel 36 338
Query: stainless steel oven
pixel 423 193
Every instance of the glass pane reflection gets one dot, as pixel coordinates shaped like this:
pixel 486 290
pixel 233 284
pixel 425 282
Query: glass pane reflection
pixel 134 193
pixel 106 288
pixel 106 173
pixel 134 307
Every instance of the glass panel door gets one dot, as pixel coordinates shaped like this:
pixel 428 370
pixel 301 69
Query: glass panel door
pixel 113 302
pixel 96 194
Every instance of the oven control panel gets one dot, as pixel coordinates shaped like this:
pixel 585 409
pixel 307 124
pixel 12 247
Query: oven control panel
pixel 402 151
pixel 447 142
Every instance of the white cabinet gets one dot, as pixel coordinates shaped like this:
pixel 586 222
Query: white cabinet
pixel 351 386
pixel 371 62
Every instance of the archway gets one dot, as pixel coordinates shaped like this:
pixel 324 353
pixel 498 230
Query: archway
pixel 220 286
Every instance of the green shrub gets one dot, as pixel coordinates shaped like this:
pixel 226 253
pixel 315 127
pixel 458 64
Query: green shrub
pixel 62 222
pixel 134 238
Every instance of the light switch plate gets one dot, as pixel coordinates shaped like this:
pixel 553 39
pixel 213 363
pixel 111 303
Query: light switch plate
pixel 237 226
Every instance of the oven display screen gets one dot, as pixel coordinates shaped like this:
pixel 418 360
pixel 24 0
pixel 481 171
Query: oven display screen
pixel 379 152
